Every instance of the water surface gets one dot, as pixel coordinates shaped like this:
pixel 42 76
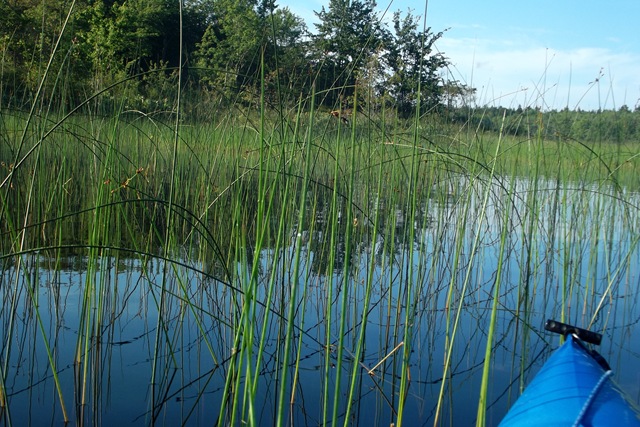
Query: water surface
pixel 139 338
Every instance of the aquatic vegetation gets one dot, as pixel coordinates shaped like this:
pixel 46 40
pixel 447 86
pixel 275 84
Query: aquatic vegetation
pixel 300 271
pixel 275 265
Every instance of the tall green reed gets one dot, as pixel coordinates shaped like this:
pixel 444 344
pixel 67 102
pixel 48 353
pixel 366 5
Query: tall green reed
pixel 7 184
pixel 495 303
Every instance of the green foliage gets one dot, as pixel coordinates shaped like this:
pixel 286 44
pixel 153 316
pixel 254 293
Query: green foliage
pixel 225 44
pixel 348 34
pixel 414 65
pixel 588 126
pixel 104 43
pixel 284 49
pixel 240 36
pixel 229 47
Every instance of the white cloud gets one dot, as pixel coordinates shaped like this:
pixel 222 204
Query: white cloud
pixel 509 73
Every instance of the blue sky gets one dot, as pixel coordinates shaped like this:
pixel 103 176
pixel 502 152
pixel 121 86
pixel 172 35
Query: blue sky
pixel 544 53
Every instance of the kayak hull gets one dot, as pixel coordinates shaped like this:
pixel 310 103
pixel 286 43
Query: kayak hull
pixel 572 388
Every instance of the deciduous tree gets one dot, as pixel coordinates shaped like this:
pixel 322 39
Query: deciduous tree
pixel 348 34
pixel 414 65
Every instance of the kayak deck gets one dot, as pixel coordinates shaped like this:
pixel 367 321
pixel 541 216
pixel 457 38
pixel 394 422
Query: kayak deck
pixel 572 388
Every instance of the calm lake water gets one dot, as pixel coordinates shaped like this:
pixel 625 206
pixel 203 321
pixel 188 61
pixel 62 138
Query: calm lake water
pixel 575 254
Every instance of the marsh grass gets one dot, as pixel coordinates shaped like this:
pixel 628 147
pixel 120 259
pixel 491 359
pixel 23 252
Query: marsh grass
pixel 308 238
pixel 320 273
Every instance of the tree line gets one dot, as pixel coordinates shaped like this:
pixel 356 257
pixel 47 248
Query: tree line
pixel 622 125
pixel 231 51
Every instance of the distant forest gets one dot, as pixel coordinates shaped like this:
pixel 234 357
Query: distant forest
pixel 110 54
pixel 618 126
